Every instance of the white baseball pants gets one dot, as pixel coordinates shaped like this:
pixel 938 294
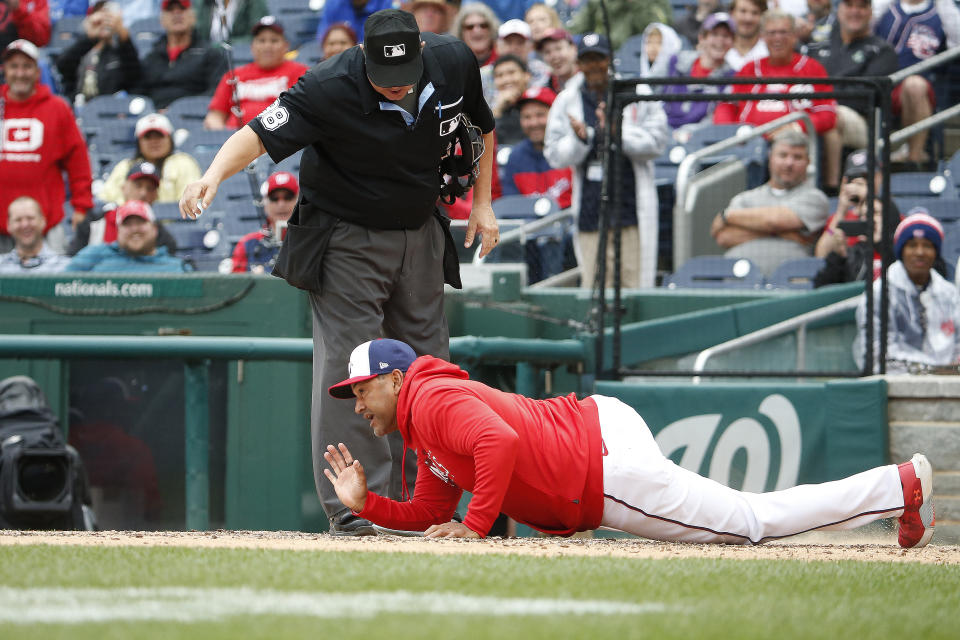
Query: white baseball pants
pixel 648 495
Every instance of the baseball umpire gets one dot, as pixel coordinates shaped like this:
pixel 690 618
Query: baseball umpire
pixel 367 240
pixel 565 465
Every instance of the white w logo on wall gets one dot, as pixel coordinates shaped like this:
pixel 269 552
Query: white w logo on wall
pixel 695 434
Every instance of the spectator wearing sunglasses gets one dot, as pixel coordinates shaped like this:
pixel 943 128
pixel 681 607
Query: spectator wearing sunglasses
pixel 26 223
pixel 257 251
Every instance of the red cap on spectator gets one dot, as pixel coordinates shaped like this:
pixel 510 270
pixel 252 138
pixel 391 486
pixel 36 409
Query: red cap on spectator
pixel 183 3
pixel 136 208
pixel 543 95
pixel 268 22
pixel 282 180
pixel 554 34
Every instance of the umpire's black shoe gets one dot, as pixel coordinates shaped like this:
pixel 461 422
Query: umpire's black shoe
pixel 351 525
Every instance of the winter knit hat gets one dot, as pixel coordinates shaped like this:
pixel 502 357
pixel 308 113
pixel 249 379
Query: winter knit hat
pixel 918 224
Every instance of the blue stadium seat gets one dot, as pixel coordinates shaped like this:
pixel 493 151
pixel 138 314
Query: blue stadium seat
pixel 716 272
pixel 106 111
pixel 950 250
pixel 188 112
pixel 300 28
pixel 145 33
pixel 204 244
pixel 921 183
pixel 165 211
pixel 626 59
pixel 112 140
pixel 241 53
pixel 65 32
pixel 202 140
pixel 797 273
pixel 290 163
pixel 310 53
pixel 943 209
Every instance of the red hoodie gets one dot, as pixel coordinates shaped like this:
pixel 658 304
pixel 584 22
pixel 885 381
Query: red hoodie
pixel 538 461
pixel 40 140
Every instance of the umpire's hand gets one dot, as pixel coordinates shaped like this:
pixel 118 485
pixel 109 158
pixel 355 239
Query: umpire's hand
pixel 348 478
pixel 482 221
pixel 196 197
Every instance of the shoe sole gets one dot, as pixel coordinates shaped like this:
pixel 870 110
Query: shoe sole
pixel 924 471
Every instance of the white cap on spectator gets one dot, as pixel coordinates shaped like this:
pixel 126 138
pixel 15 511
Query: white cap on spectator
pixel 25 47
pixel 515 27
pixel 153 122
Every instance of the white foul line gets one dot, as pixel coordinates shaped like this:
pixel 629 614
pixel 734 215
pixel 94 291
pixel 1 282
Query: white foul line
pixel 185 604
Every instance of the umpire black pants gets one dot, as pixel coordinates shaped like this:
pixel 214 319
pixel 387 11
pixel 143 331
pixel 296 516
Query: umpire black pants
pixel 375 283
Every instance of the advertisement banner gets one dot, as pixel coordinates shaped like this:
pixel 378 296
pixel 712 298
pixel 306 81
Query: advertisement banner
pixel 765 436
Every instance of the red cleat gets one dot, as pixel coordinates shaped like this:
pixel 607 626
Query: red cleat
pixel 917 521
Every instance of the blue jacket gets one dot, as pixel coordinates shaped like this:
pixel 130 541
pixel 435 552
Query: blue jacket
pixel 335 11
pixel 509 9
pixel 110 258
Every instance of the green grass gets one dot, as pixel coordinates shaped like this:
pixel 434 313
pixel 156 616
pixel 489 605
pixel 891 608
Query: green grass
pixel 704 598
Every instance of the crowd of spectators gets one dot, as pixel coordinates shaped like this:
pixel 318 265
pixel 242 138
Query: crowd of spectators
pixel 544 70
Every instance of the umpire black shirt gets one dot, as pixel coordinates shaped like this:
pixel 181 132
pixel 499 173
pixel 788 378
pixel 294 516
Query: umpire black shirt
pixel 867 56
pixel 363 164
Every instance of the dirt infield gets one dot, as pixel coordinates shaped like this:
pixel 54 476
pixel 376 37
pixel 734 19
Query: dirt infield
pixel 823 547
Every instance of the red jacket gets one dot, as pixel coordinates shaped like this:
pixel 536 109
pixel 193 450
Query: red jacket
pixel 40 140
pixel 823 111
pixel 257 88
pixel 538 461
pixel 30 21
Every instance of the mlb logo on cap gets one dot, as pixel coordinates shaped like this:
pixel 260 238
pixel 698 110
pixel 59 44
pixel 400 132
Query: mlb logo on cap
pixel 393 51
pixel 372 359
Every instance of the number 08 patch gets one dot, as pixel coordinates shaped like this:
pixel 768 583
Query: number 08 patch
pixel 274 116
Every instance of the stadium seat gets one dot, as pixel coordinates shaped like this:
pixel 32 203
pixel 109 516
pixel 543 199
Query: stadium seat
pixel 166 211
pixel 105 111
pixel 797 273
pixel 290 163
pixel 112 140
pixel 203 140
pixel 716 272
pixel 66 30
pixel 300 28
pixel 188 112
pixel 202 244
pixel 626 59
pixel 240 53
pixel 144 33
pixel 921 183
pixel 309 53
pixel 943 209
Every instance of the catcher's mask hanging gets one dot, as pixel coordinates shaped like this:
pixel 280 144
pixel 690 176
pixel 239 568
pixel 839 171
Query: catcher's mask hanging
pixel 460 168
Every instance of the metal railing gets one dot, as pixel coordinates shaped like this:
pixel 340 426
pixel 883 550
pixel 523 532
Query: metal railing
pixel 197 353
pixel 798 323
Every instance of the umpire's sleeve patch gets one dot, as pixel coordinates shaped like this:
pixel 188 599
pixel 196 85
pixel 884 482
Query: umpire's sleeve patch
pixel 274 116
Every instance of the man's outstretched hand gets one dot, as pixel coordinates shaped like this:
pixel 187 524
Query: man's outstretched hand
pixel 450 530
pixel 347 477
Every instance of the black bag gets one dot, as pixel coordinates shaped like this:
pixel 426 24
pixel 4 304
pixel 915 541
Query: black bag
pixel 300 261
pixel 43 484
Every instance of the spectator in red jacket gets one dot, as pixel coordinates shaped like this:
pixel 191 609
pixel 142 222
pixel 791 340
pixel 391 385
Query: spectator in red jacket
pixel 564 465
pixel 24 19
pixel 258 83
pixel 783 61
pixel 257 251
pixel 40 141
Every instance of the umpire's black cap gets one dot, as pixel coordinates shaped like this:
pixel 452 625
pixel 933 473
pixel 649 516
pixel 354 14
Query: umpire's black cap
pixel 391 47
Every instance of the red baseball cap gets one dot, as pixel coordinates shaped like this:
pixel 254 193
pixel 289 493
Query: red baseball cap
pixel 136 208
pixel 543 95
pixel 281 180
pixel 268 22
pixel 183 3
pixel 554 34
pixel 144 170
